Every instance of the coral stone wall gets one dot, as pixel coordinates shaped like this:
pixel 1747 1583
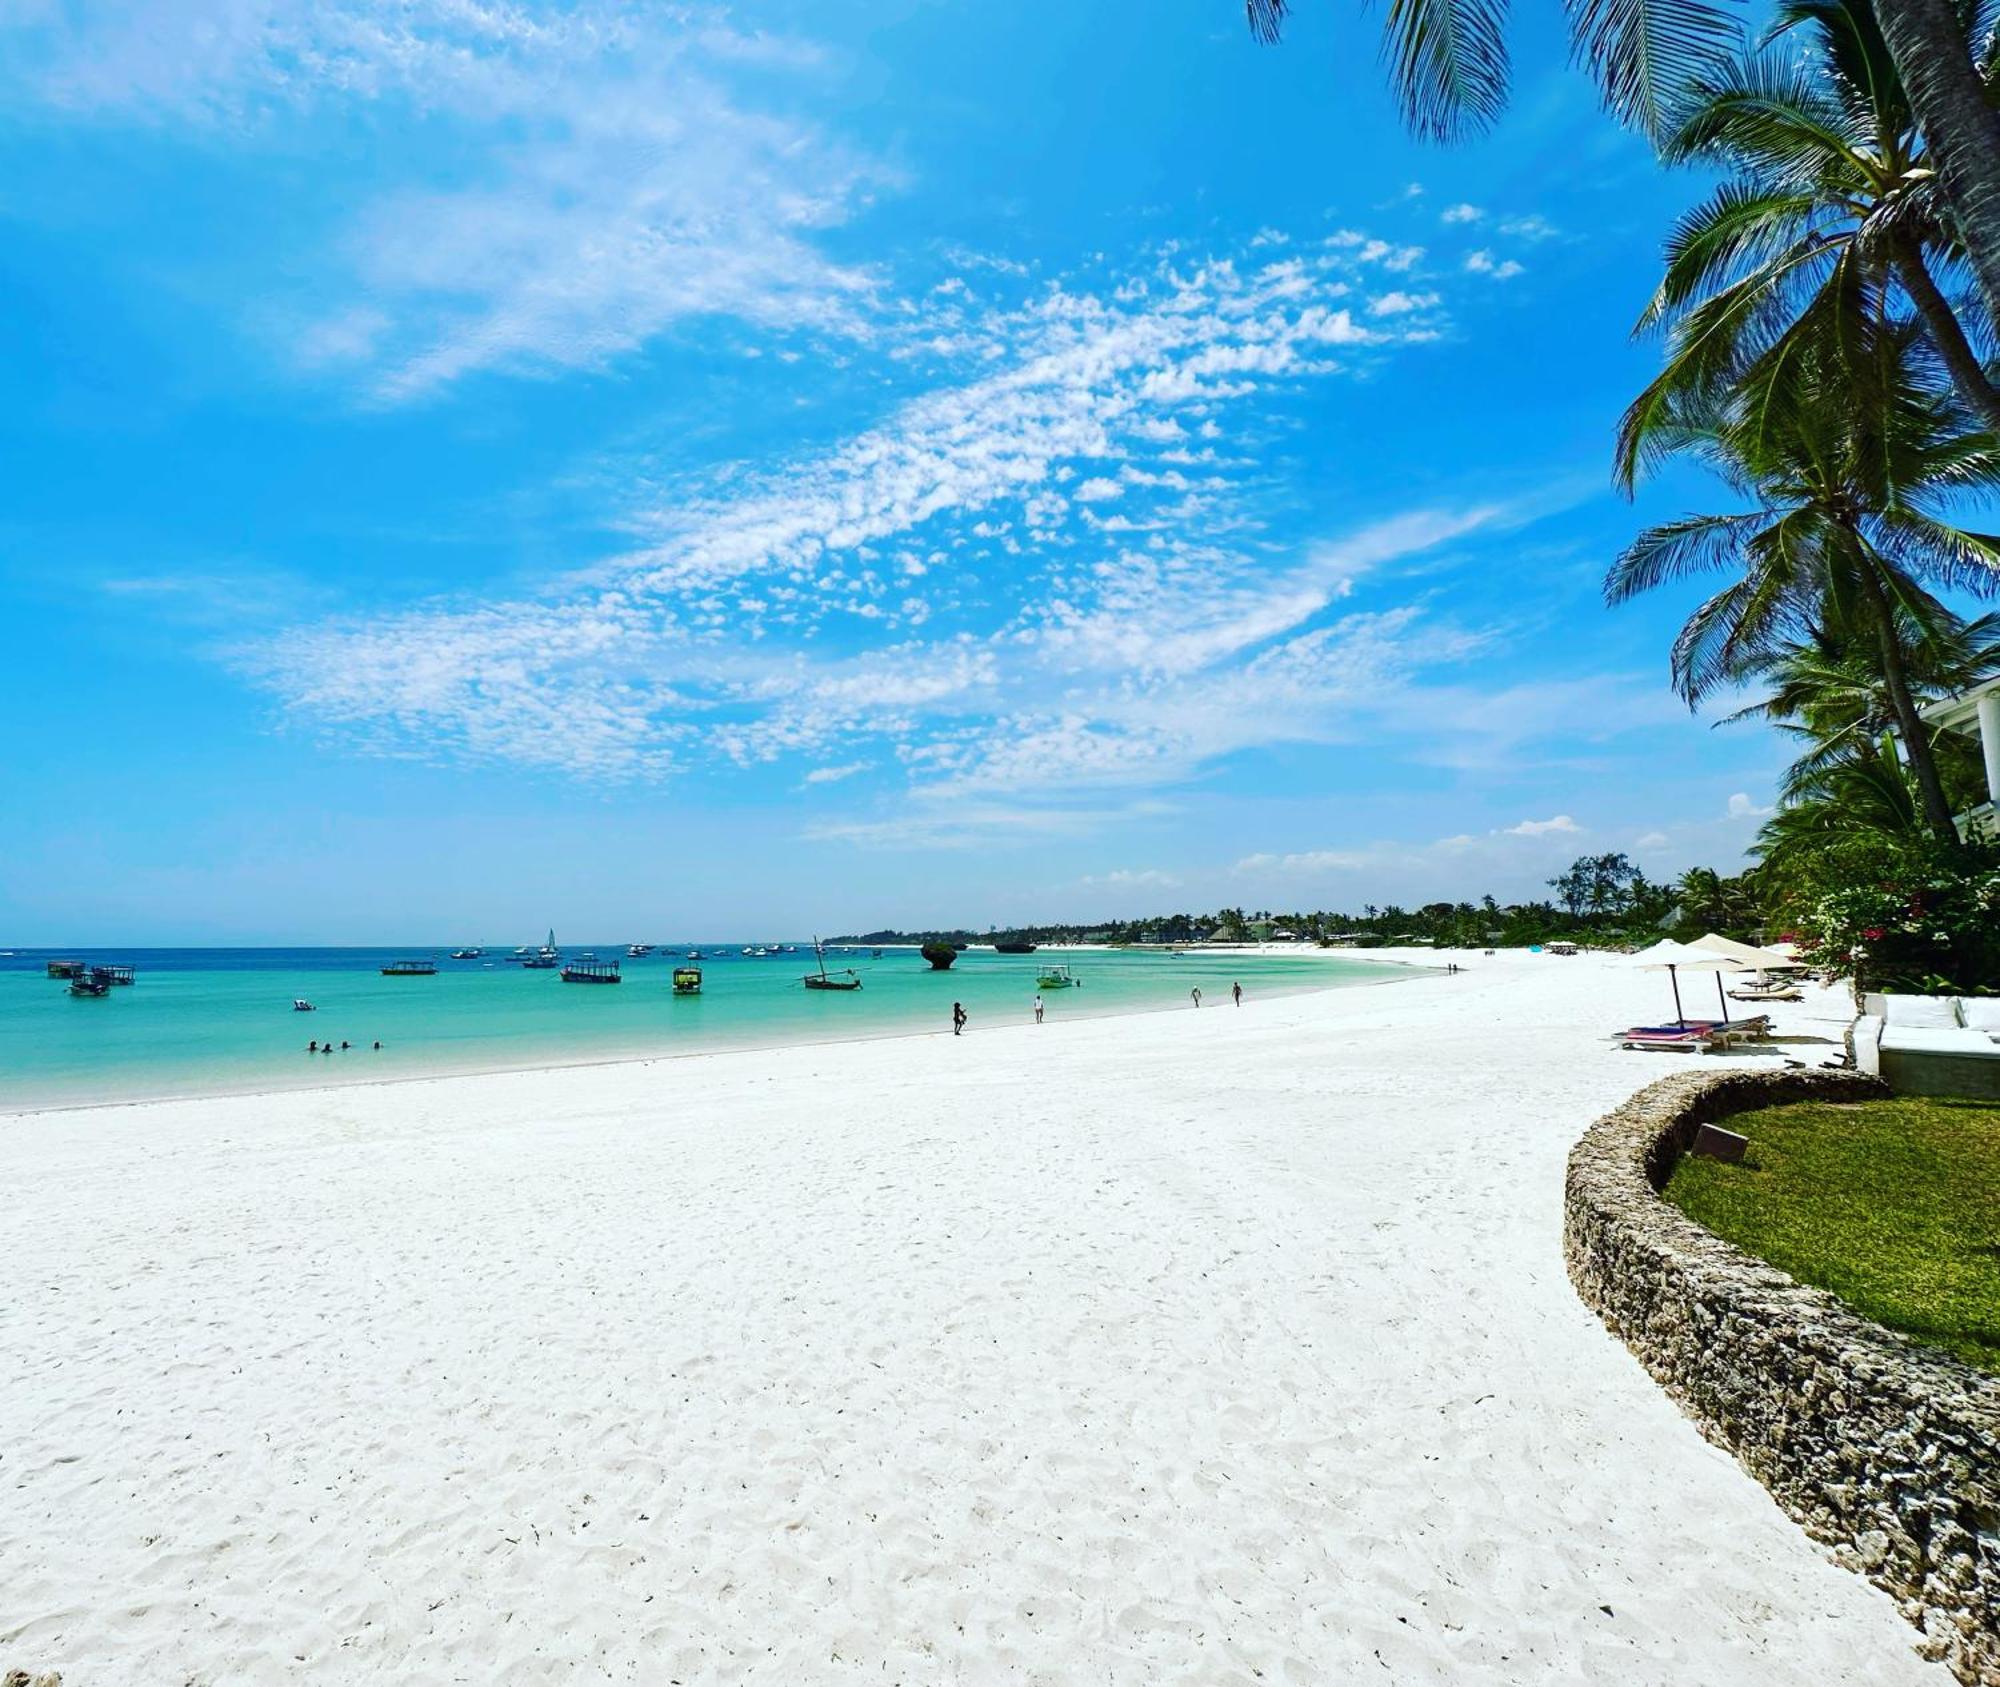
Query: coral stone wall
pixel 1886 1450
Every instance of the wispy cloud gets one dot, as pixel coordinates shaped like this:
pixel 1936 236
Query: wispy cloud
pixel 581 178
pixel 1542 828
pixel 978 481
pixel 954 593
pixel 1484 263
pixel 1132 878
pixel 1304 862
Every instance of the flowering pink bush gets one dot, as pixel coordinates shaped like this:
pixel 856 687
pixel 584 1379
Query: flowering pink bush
pixel 1895 915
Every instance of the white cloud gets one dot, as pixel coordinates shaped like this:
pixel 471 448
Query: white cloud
pixel 1542 828
pixel 1742 808
pixel 1651 840
pixel 1098 489
pixel 1531 228
pixel 1461 214
pixel 1484 263
pixel 830 775
pixel 888 527
pixel 1304 862
pixel 1397 303
pixel 598 177
pixel 1124 878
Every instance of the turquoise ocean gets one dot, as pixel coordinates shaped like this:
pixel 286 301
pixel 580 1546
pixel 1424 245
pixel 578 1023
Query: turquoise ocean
pixel 221 1021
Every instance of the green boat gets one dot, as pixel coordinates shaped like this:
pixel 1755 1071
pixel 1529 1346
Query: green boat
pixel 1058 978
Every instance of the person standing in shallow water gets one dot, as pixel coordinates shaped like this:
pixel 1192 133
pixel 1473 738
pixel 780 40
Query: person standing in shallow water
pixel 1038 1010
pixel 1196 993
pixel 1236 990
pixel 957 1018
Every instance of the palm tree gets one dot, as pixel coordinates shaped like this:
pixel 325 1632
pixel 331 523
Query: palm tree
pixel 1831 195
pixel 1849 455
pixel 1859 796
pixel 1827 690
pixel 1449 65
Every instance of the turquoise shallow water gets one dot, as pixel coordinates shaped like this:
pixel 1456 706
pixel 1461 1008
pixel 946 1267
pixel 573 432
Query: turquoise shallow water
pixel 219 1021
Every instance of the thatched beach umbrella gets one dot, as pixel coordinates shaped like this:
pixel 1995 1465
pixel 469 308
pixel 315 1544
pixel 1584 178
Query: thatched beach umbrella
pixel 1678 958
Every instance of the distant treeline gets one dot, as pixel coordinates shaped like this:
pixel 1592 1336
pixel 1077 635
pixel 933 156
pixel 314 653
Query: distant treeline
pixel 1601 897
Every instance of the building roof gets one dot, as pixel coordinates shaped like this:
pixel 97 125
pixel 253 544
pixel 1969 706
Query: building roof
pixel 1960 713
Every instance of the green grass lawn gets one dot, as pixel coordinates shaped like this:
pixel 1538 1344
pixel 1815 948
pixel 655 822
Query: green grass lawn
pixel 1894 1206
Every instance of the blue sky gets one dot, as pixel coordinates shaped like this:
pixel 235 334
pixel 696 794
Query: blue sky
pixel 472 466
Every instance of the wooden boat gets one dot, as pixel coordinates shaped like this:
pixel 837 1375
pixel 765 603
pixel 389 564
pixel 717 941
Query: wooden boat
pixel 687 981
pixel 301 1005
pixel 65 969
pixel 589 970
pixel 112 974
pixel 824 980
pixel 89 984
pixel 1057 978
pixel 409 969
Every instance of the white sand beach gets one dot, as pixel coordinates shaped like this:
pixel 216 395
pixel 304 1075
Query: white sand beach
pixel 1223 1346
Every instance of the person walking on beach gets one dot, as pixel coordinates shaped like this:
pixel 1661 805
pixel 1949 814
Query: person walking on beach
pixel 1038 1009
pixel 957 1018
pixel 1236 990
pixel 1196 993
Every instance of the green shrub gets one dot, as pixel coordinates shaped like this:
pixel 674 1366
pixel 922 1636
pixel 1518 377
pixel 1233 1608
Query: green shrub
pixel 1903 914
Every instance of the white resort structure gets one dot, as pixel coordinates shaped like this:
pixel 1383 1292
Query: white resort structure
pixel 1976 712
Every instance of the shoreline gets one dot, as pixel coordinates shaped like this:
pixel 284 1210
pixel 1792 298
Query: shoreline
pixel 541 1063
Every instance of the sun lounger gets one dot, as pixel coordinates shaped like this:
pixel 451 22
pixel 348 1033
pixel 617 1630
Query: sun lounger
pixel 1706 1034
pixel 1697 1038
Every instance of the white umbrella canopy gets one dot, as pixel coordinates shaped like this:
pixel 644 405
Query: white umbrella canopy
pixel 1765 960
pixel 1676 958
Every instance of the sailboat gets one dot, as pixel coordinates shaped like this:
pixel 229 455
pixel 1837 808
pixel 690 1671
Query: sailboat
pixel 824 980
pixel 547 957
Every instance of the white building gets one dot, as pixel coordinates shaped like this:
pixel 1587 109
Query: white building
pixel 1976 712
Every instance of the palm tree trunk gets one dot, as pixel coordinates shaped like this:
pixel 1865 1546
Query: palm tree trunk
pixel 1928 42
pixel 1916 741
pixel 1967 373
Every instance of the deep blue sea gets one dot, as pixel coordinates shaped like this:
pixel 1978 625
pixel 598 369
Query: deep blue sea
pixel 219 1021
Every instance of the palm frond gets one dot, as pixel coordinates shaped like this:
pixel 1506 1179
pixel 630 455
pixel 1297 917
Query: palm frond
pixel 1643 53
pixel 1770 117
pixel 1675 550
pixel 1448 64
pixel 1266 19
pixel 1738 224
